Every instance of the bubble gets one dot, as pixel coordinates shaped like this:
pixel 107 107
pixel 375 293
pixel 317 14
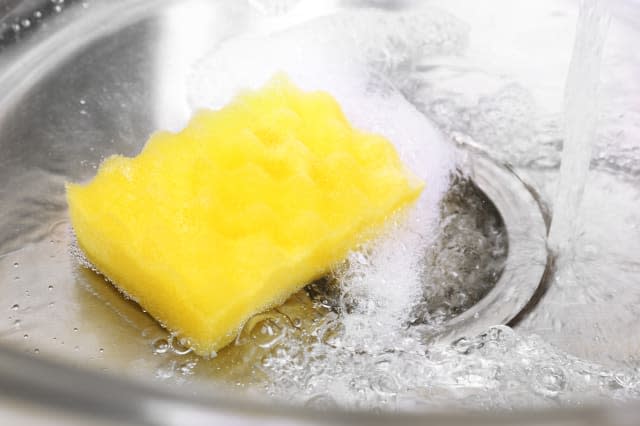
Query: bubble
pixel 549 380
pixel 37 14
pixel 160 346
pixel 26 23
pixel 321 402
pixel 498 333
pixel 463 345
pixel 180 346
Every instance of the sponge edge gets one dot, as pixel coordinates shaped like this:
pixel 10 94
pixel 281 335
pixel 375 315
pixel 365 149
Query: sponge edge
pixel 241 209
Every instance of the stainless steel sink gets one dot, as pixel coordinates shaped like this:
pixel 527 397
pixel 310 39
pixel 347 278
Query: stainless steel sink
pixel 80 80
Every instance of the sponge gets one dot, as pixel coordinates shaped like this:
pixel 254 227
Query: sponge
pixel 241 209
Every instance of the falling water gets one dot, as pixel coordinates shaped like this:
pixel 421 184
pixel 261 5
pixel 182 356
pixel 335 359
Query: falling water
pixel 581 108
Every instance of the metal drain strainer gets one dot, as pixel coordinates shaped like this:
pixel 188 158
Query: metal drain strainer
pixel 526 259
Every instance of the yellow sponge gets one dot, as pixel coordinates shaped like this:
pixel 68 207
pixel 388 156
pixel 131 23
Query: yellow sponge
pixel 246 205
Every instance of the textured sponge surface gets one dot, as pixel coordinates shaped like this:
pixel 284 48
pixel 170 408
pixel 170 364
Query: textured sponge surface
pixel 230 216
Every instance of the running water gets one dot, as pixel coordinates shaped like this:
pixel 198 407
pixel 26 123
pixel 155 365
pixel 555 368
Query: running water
pixel 580 120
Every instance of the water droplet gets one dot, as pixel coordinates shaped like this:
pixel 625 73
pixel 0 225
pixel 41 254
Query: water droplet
pixel 25 23
pixel 26 336
pixel 15 307
pixel 75 329
pixel 50 287
pixel 83 102
pixel 57 8
pixel 37 14
pixel 160 346
pixel 17 323
pixel 52 304
pixel 36 351
pixel 16 264
pixel 15 27
pixel 101 350
pixel 76 348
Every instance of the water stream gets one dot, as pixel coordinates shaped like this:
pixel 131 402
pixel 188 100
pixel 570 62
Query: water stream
pixel 580 121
